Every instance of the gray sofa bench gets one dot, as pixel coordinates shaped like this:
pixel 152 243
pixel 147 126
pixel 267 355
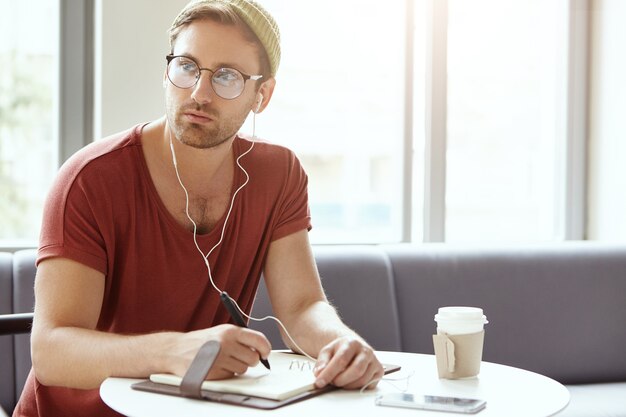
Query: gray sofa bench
pixel 555 309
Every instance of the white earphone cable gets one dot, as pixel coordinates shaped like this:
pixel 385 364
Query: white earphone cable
pixel 232 202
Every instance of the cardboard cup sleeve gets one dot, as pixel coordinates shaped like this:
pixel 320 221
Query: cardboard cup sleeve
pixel 458 355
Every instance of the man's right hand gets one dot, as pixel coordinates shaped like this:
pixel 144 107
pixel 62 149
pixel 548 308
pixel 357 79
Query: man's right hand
pixel 240 349
pixel 68 351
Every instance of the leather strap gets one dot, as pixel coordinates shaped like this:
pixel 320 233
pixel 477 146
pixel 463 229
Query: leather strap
pixel 191 385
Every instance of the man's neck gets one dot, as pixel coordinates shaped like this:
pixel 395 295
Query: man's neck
pixel 197 167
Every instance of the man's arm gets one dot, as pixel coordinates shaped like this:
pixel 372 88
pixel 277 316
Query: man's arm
pixel 68 351
pixel 343 358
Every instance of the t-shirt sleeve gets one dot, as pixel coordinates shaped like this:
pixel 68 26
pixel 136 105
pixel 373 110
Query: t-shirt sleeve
pixel 70 228
pixel 294 212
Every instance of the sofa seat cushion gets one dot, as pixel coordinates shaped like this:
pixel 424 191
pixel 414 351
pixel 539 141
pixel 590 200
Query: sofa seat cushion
pixel 606 400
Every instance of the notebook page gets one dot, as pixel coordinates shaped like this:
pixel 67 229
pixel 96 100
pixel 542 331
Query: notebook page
pixel 290 375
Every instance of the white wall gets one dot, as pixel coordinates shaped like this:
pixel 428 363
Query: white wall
pixel 131 44
pixel 607 122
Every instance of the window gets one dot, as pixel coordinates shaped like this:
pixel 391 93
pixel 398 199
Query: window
pixel 354 102
pixel 339 104
pixel 504 74
pixel 46 85
pixel 28 113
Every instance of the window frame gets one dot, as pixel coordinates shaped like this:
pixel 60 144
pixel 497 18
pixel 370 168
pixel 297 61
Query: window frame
pixel 76 76
pixel 571 207
pixel 573 220
pixel 75 125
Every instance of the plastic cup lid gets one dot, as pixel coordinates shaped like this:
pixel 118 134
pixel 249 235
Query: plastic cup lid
pixel 461 313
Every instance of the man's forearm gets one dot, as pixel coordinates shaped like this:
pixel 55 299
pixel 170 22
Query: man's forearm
pixel 316 326
pixel 82 358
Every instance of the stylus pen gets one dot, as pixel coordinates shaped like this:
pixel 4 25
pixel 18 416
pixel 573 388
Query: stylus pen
pixel 236 316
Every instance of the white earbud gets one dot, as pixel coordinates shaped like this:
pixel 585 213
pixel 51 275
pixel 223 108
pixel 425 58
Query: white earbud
pixel 258 103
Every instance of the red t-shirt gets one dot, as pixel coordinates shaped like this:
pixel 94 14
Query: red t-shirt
pixel 104 211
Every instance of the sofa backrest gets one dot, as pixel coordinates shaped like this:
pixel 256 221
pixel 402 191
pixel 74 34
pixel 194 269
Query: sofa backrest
pixel 7 356
pixel 358 281
pixel 17 278
pixel 23 302
pixel 557 309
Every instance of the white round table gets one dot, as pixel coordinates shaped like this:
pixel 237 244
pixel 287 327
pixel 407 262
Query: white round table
pixel 508 391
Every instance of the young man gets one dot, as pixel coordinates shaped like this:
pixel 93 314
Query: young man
pixel 139 237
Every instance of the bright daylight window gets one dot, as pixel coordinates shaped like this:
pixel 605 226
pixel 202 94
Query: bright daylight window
pixel 504 75
pixel 339 104
pixel 28 114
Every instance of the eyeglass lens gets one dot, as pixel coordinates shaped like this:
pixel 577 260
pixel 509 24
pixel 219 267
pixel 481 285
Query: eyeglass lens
pixel 227 83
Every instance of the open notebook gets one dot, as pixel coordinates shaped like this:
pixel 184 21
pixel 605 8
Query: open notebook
pixel 290 380
pixel 290 375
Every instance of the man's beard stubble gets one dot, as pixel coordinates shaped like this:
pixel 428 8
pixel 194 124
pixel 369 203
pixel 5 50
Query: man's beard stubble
pixel 202 137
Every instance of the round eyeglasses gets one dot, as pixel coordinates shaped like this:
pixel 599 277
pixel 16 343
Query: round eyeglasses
pixel 228 83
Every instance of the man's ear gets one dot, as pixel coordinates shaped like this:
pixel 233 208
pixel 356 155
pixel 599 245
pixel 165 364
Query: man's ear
pixel 264 94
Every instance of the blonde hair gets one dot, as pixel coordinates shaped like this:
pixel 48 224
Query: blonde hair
pixel 223 12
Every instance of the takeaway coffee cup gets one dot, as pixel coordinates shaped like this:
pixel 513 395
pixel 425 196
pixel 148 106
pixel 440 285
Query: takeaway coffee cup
pixel 459 341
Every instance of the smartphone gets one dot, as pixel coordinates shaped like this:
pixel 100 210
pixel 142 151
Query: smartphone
pixel 431 402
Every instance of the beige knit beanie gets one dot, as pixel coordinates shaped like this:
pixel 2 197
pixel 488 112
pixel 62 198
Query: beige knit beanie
pixel 259 21
pixel 264 27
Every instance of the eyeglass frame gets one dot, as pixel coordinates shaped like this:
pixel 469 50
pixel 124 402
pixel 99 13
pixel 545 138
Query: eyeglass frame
pixel 245 76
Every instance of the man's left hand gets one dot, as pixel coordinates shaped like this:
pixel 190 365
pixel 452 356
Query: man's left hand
pixel 348 363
